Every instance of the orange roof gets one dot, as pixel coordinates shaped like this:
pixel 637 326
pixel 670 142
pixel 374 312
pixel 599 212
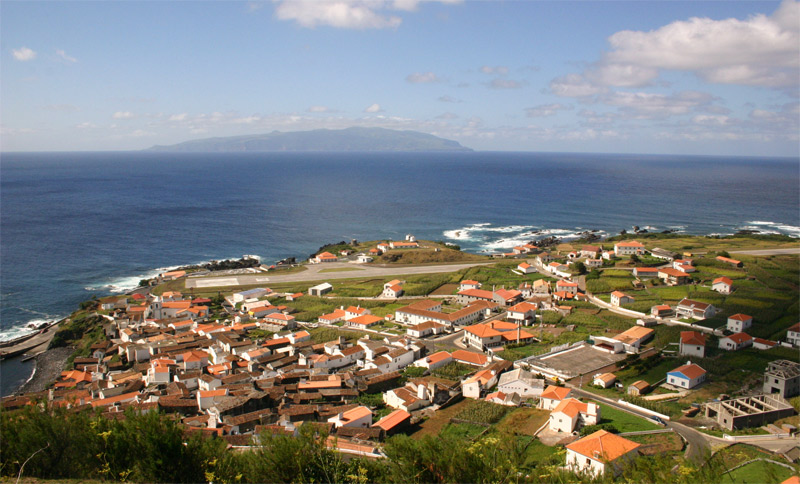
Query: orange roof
pixel 512 335
pixel 663 307
pixel 632 243
pixel 392 420
pixel 112 400
pixel 571 407
pixel 672 272
pixel 555 393
pixel 603 446
pixel 522 307
pixel 357 310
pixel 213 393
pixel 478 359
pixel 507 294
pixel 724 280
pixel 483 376
pixel 728 259
pixel 437 357
pixel 356 413
pixel 524 265
pixel 566 284
pixel 606 377
pixel 691 371
pixel 366 320
pixel 618 294
pixel 482 331
pixel 792 480
pixel 646 269
pixel 480 293
pixel 765 342
pixel 396 288
pixel 740 317
pixel 326 255
pixel 740 338
pixel 693 338
pixel 336 314
pixel 634 334
pixel 470 282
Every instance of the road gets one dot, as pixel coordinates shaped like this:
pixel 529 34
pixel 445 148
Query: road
pixel 314 273
pixel 792 250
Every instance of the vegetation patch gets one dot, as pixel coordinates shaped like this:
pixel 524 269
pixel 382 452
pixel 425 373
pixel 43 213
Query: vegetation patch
pixel 479 411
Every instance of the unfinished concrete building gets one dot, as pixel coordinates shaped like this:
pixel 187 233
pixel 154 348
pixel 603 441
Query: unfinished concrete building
pixel 739 413
pixel 782 377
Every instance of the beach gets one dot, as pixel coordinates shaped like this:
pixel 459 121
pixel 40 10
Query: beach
pixel 48 365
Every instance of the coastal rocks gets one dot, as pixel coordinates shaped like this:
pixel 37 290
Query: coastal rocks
pixel 49 365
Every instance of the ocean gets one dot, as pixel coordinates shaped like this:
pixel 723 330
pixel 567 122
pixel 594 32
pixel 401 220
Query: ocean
pixel 75 225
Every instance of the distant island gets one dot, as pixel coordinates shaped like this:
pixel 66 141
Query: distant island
pixel 349 139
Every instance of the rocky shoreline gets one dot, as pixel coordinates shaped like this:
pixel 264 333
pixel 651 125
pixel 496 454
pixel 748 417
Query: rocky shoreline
pixel 48 365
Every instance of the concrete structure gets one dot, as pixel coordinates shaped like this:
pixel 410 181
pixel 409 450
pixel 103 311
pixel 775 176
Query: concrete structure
pixel 618 298
pixel 357 417
pixel 604 380
pixel 735 342
pixel 782 377
pixel 723 285
pixel 571 414
pixel 693 343
pixel 688 308
pixel 793 335
pixel 521 382
pixel 552 396
pixel 628 248
pixel 673 277
pixel 744 412
pixel 320 289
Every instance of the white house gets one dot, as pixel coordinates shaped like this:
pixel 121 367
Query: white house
pixel 552 396
pixel 405 398
pixel 693 343
pixel 604 380
pixel 688 308
pixel 434 361
pixel 521 382
pixel 482 380
pixel 500 398
pixel 739 322
pixel 469 284
pixel 619 298
pixel 522 313
pixel 722 285
pixel 628 248
pixel 687 376
pixel 793 335
pixel 735 341
pixel 320 289
pixel 364 259
pixel 357 418
pixel 599 453
pixel 424 329
pixel 525 268
pixel 567 286
pixel 250 294
pixel 570 414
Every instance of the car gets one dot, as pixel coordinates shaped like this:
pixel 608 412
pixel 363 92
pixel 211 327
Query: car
pixel 658 420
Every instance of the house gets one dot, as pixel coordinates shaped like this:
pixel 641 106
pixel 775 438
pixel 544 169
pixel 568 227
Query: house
pixel 782 377
pixel 735 342
pixel 356 417
pixel 673 277
pixel 366 259
pixel 723 285
pixel 628 248
pixel 600 453
pixel 730 261
pixel 482 380
pixel 250 294
pixel 552 396
pixel 284 321
pixel 685 265
pixel 793 335
pixel 320 289
pixel 593 263
pixel 407 398
pixel 392 291
pixel 428 310
pixel 393 422
pixel 500 398
pixel 495 333
pixel 591 251
pixel 619 298
pixel 520 382
pixel 693 343
pixel 470 358
pixel 764 344
pixel 434 361
pixel 525 268
pixel 645 272
pixel 424 329
pixel 688 308
pixel 325 257
pixel 633 337
pixel 687 376
pixel 567 286
pixel 469 284
pixel 544 258
pixel 571 414
pixel 363 322
pixel 294 297
pixel 522 313
pixel 506 297
pixel 334 317
pixel 663 254
pixel 261 311
pixel 558 269
pixel 639 387
pixel 604 380
pixel 404 245
pixel 661 311
pixel 739 322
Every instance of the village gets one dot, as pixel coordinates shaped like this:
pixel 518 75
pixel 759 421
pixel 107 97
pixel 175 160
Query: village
pixel 609 350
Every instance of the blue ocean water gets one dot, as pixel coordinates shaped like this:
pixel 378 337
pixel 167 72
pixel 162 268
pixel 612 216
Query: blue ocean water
pixel 78 224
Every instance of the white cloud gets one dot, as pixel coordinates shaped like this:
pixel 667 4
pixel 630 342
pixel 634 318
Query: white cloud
pixel 374 108
pixel 648 105
pixel 61 108
pixel 711 119
pixel 505 84
pixel 449 99
pixel 123 115
pixel 761 50
pixel 575 85
pixel 178 117
pixel 351 14
pixel 86 125
pixel 65 57
pixel 447 116
pixel 622 75
pixel 422 78
pixel 500 70
pixel 23 54
pixel 545 110
pixel 318 109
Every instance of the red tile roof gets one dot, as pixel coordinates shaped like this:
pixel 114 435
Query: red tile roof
pixel 555 393
pixel 693 338
pixel 603 446
pixel 690 371
pixel 392 420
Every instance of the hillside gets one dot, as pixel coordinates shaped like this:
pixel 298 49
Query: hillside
pixel 350 139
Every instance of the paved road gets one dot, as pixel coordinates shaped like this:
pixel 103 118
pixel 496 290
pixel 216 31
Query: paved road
pixel 793 250
pixel 313 273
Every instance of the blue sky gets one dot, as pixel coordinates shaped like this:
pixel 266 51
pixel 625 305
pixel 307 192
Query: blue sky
pixel 715 78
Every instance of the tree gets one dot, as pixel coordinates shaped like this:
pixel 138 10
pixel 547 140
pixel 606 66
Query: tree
pixel 580 267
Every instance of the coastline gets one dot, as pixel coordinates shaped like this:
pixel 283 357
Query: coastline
pixel 48 365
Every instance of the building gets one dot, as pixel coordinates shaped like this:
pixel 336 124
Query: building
pixel 469 284
pixel 782 377
pixel 645 272
pixel 434 361
pixel 552 396
pixel 693 343
pixel 526 268
pixel 730 261
pixel 604 380
pixel 793 335
pixel 744 412
pixel 633 337
pixel 320 289
pixel 661 311
pixel 638 388
pixel 687 376
pixel 735 342
pixel 591 251
pixel 325 257
pixel 571 414
pixel 739 322
pixel 424 329
pixel 673 277
pixel 521 382
pixel 428 310
pixel 631 247
pixel 619 298
pixel 522 313
pixel 688 308
pixel 356 417
pixel 567 286
pixel 600 453
pixel 723 285
pixel 495 333
pixel 393 422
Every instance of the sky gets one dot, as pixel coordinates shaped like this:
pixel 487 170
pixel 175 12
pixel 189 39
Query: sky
pixel 672 77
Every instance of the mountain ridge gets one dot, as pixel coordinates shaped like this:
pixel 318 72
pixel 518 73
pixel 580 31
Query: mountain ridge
pixel 348 139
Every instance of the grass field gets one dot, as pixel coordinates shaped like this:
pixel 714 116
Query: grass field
pixel 757 473
pixel 623 421
pixel 523 420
